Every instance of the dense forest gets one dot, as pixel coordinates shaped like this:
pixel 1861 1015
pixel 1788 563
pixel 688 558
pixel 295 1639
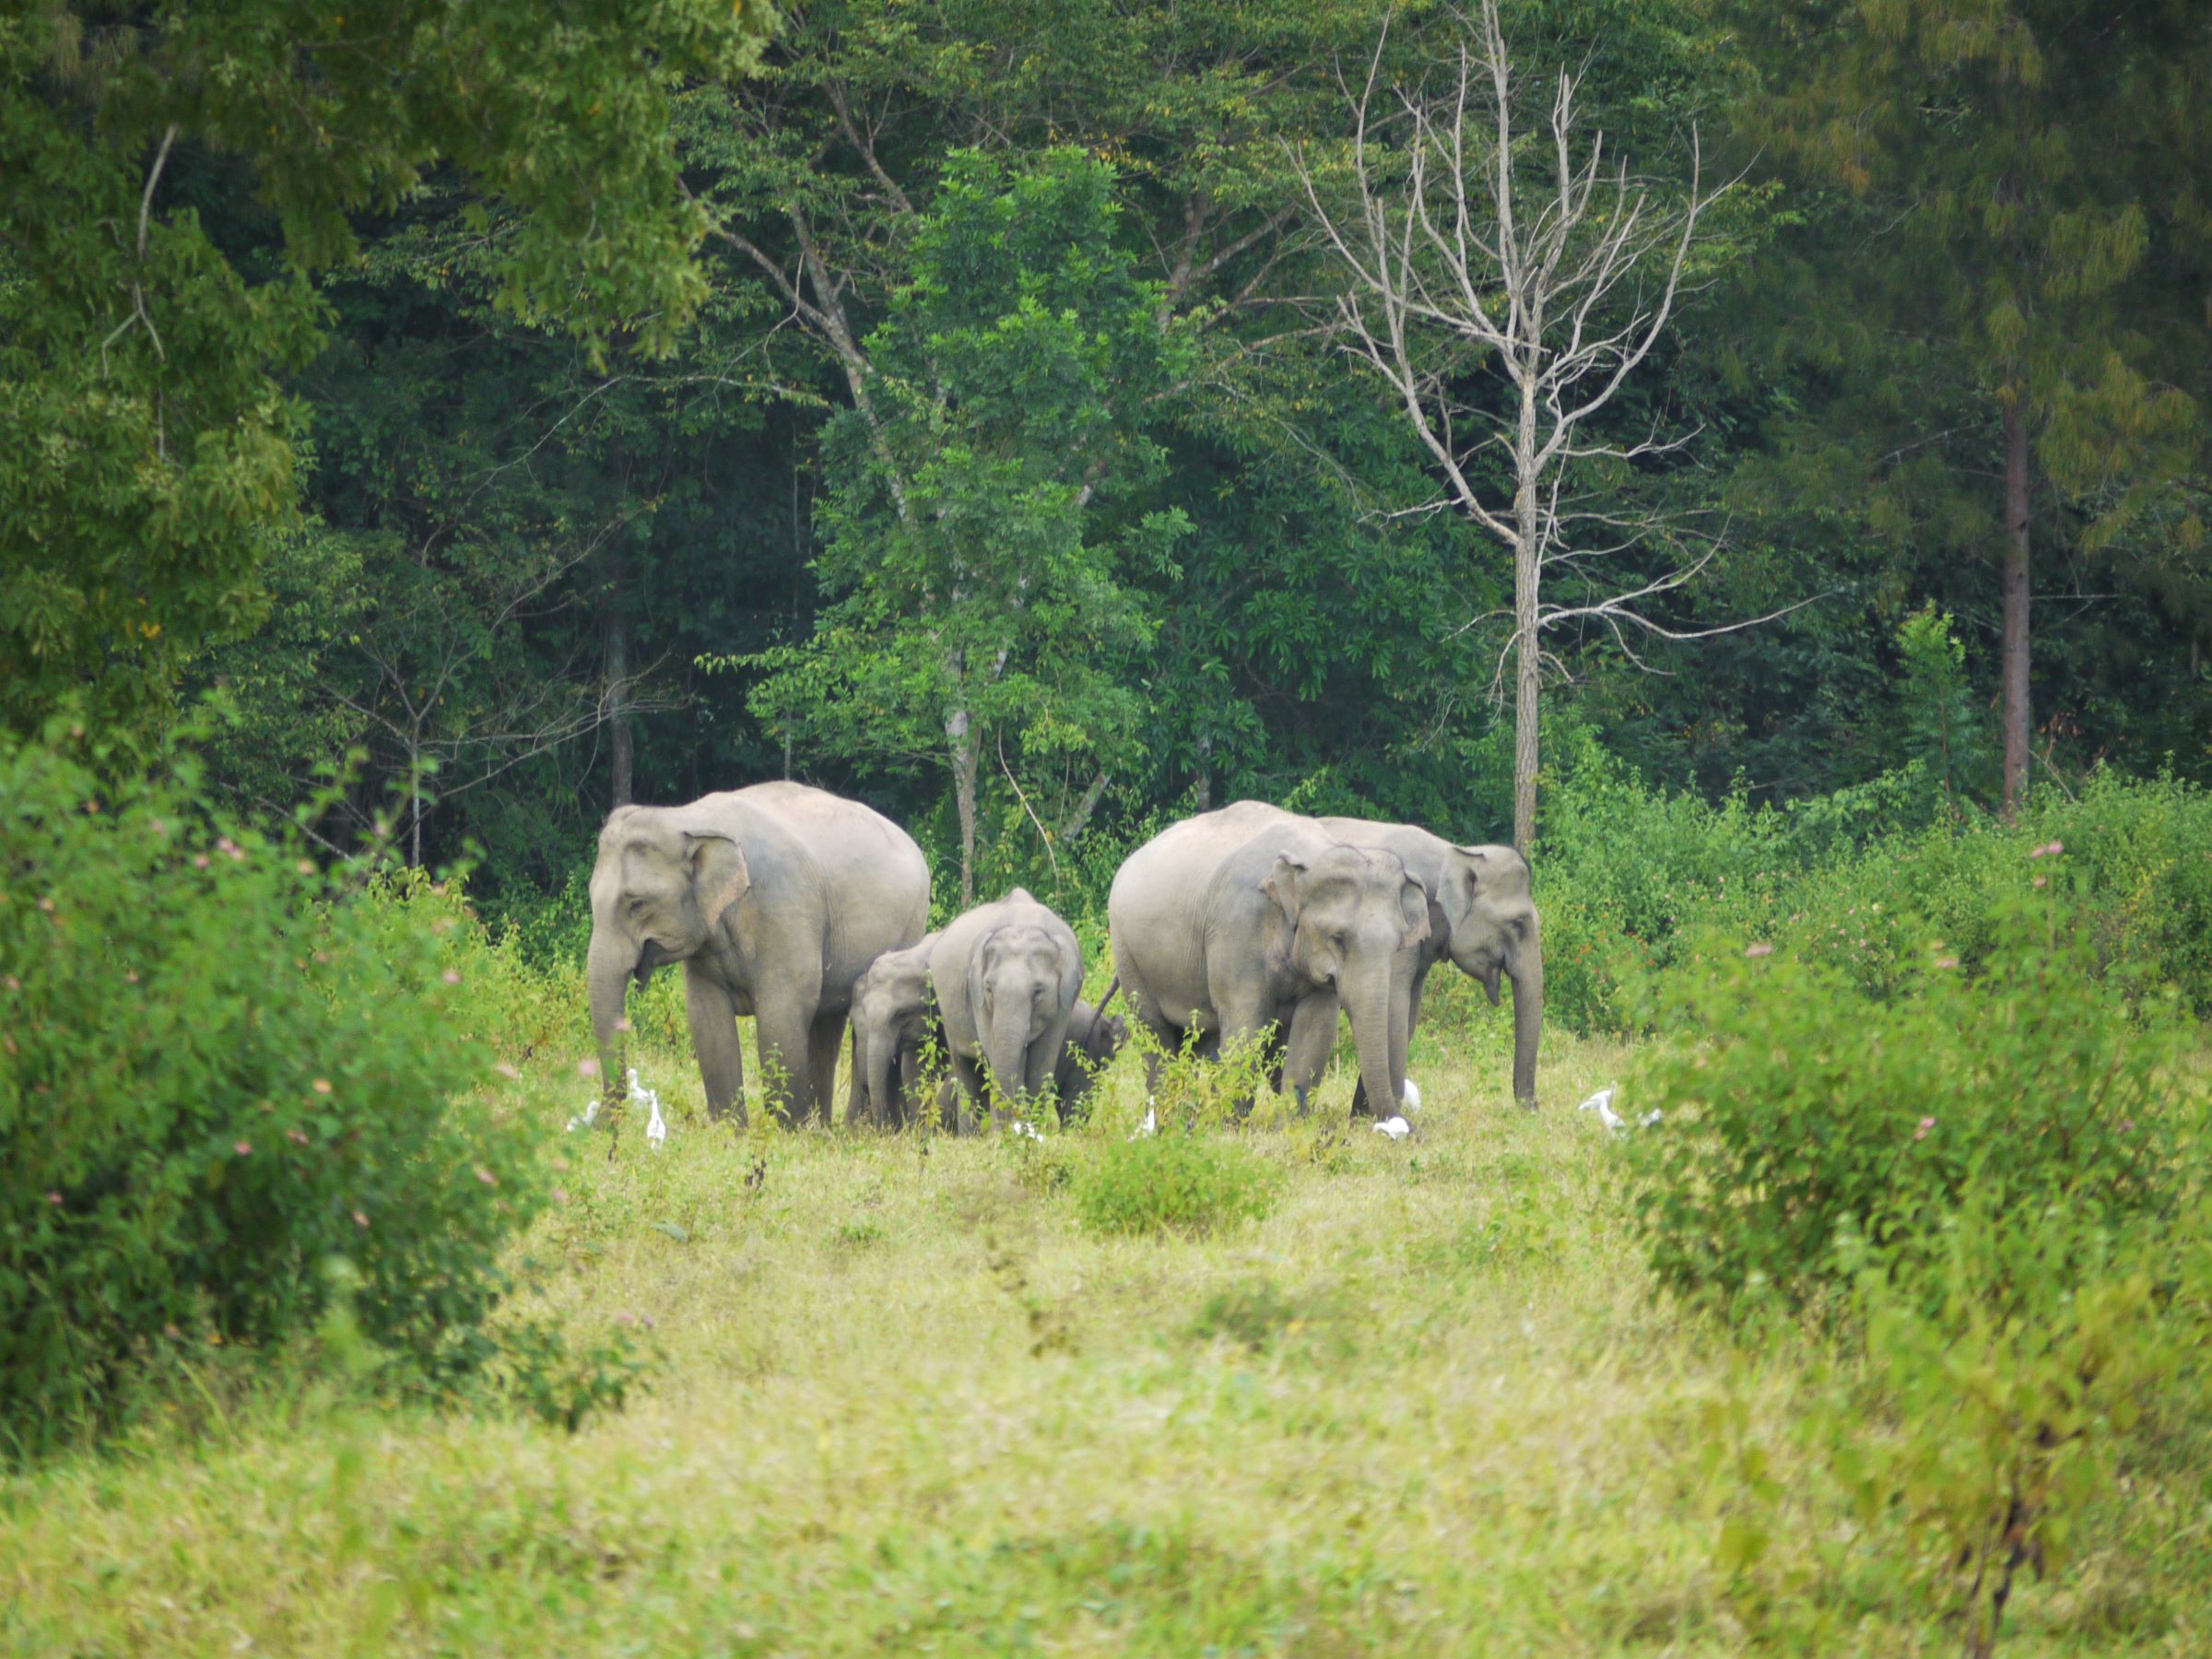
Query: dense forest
pixel 999 449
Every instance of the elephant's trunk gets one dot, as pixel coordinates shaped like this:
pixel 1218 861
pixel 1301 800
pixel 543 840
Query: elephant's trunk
pixel 607 976
pixel 1005 1047
pixel 876 1049
pixel 1369 1002
pixel 1528 1023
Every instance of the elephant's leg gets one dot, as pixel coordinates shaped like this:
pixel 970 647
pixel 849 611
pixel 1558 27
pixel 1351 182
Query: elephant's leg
pixel 786 1034
pixel 825 1036
pixel 908 1104
pixel 1306 1053
pixel 1243 1018
pixel 713 1020
pixel 1401 1048
pixel 856 1106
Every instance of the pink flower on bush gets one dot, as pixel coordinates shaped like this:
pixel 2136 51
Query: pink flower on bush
pixel 1946 962
pixel 587 1068
pixel 200 861
pixel 297 1137
pixel 451 976
pixel 54 1198
pixel 321 1085
pixel 486 1176
pixel 2048 850
pixel 1925 1124
pixel 360 1219
pixel 243 1149
pixel 1758 949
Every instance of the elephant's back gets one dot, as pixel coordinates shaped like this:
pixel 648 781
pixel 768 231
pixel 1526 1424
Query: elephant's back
pixel 852 841
pixel 1181 861
pixel 1421 852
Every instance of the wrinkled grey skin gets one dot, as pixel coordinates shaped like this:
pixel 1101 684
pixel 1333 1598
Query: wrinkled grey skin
pixel 1482 916
pixel 774 899
pixel 1094 1037
pixel 1250 916
pixel 894 1015
pixel 1007 976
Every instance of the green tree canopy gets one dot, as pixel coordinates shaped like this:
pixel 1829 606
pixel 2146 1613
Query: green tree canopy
pixel 150 447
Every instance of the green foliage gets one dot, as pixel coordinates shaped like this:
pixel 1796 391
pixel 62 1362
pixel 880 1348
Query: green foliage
pixel 150 448
pixel 1807 1119
pixel 1940 735
pixel 974 518
pixel 2000 1388
pixel 217 1070
pixel 1175 1183
pixel 562 1382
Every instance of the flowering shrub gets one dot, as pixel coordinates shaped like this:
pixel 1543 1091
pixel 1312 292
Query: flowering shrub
pixel 218 1070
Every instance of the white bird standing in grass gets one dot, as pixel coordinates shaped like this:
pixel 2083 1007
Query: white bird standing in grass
pixel 1602 1103
pixel 656 1126
pixel 1397 1128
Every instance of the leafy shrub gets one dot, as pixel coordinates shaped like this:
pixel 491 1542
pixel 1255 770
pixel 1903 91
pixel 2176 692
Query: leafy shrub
pixel 1994 1401
pixel 1803 1113
pixel 1182 1183
pixel 216 1071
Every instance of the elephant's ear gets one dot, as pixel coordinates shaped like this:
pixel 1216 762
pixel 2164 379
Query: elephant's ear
pixel 1281 883
pixel 719 875
pixel 1413 908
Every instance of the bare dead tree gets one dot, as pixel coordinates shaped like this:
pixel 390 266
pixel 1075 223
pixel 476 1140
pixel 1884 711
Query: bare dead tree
pixel 1470 242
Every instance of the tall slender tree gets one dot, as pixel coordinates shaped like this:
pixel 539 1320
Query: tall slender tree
pixel 2012 283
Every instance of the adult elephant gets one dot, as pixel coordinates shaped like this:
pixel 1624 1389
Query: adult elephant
pixel 774 899
pixel 894 1016
pixel 1249 916
pixel 1481 915
pixel 1006 976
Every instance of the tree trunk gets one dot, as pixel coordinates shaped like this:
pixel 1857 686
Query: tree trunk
pixel 2018 723
pixel 964 760
pixel 618 711
pixel 1528 660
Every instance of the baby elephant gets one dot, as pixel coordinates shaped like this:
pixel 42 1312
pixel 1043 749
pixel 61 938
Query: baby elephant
pixel 1094 1037
pixel 1005 976
pixel 893 1016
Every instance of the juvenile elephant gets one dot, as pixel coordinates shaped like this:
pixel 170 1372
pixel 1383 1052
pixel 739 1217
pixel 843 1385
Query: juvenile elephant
pixel 1250 916
pixel 1482 916
pixel 894 1014
pixel 774 899
pixel 1005 976
pixel 1094 1037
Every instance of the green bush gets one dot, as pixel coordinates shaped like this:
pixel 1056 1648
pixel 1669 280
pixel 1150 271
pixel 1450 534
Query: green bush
pixel 1804 1112
pixel 219 1070
pixel 1627 873
pixel 1182 1183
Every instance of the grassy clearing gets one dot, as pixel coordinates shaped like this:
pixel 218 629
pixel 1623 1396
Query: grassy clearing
pixel 908 1405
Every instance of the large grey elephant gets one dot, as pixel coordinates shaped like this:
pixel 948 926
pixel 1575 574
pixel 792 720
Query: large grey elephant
pixel 1005 975
pixel 774 899
pixel 1094 1037
pixel 1483 916
pixel 1251 916
pixel 894 1015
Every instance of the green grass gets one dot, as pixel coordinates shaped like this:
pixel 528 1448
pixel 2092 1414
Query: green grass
pixel 908 1405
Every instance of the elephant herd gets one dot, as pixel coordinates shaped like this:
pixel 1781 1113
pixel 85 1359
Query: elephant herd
pixel 804 912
